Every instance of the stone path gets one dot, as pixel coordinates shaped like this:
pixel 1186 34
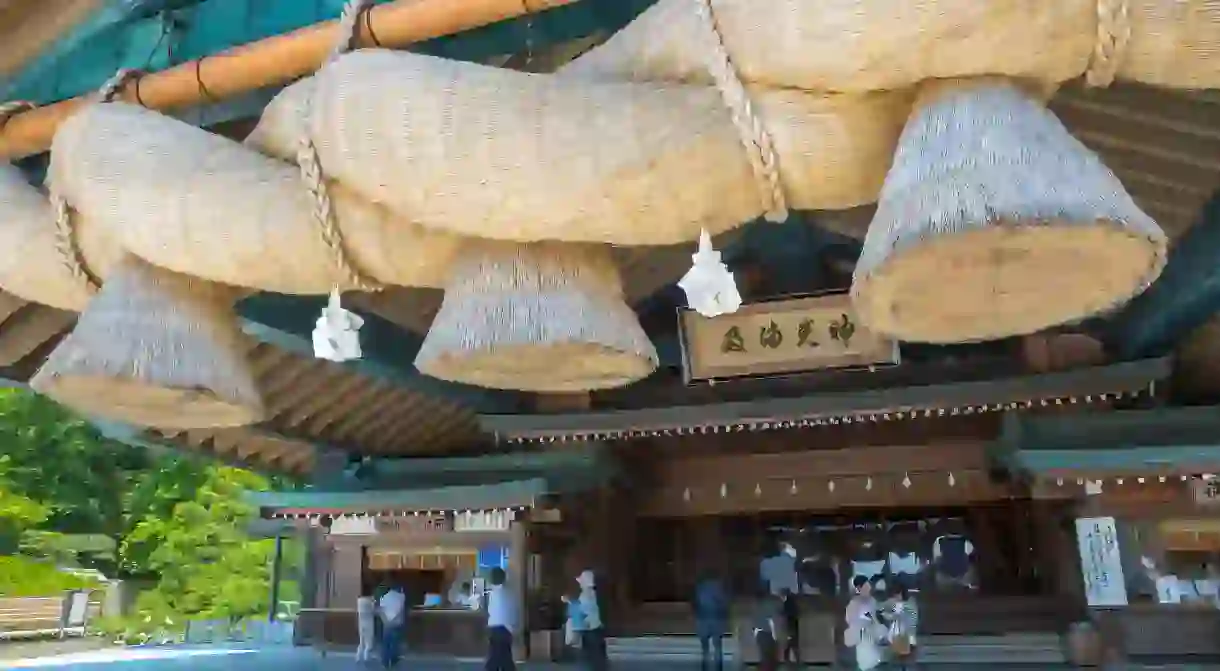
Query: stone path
pixel 288 659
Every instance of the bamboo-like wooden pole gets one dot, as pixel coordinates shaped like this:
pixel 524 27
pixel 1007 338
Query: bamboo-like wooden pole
pixel 273 61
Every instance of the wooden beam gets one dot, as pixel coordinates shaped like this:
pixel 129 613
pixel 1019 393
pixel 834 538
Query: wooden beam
pixel 1185 296
pixel 928 400
pixel 27 28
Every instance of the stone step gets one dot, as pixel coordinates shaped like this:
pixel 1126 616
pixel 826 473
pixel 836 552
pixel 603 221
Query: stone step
pixel 658 648
pixel 1024 648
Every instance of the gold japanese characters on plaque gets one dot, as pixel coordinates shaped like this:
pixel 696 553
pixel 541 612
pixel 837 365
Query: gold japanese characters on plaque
pixel 778 337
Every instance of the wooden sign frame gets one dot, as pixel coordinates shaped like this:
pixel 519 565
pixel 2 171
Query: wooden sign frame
pixel 810 332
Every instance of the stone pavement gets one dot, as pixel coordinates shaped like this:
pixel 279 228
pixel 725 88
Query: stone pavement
pixel 303 659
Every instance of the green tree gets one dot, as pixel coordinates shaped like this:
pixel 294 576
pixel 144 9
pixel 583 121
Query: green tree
pixel 17 513
pixel 59 460
pixel 208 565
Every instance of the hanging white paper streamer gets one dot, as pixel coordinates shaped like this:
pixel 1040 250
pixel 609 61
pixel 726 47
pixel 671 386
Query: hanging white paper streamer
pixel 710 288
pixel 336 336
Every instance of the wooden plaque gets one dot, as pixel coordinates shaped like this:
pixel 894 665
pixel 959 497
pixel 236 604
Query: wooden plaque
pixel 780 337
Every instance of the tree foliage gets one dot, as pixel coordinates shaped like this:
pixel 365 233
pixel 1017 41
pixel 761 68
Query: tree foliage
pixel 67 491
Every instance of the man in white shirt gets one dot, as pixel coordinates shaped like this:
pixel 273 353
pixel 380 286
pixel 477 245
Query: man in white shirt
pixel 501 623
pixel 393 609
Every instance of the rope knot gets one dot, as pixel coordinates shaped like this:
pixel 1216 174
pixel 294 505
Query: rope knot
pixel 1113 36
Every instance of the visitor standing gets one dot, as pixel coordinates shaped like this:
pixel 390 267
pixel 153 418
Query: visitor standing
pixel 792 627
pixel 903 628
pixel 393 608
pixel 767 615
pixel 593 636
pixel 863 630
pixel 367 630
pixel 711 606
pixel 501 624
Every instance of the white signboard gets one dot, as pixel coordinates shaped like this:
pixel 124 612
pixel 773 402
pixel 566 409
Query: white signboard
pixel 353 526
pixel 491 520
pixel 1100 563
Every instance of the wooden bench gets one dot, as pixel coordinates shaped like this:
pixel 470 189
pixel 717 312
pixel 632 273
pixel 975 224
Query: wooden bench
pixel 38 617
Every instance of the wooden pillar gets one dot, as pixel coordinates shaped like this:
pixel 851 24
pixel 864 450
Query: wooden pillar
pixel 277 569
pixel 346 572
pixel 309 583
pixel 518 576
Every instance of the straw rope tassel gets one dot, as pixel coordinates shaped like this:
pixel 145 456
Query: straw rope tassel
pixel 311 165
pixel 1113 36
pixel 760 148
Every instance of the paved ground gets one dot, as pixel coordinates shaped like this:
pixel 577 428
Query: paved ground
pixel 135 659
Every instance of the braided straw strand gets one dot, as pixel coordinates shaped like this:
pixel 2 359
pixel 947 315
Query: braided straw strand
pixel 754 136
pixel 311 165
pixel 65 236
pixel 1113 36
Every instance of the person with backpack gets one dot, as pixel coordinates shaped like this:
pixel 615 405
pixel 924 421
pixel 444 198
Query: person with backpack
pixel 711 606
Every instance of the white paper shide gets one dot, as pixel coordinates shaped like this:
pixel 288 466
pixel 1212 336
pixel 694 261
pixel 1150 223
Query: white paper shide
pixel 710 288
pixel 337 334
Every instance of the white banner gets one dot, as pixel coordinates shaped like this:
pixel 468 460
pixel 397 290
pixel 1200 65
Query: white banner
pixel 1101 564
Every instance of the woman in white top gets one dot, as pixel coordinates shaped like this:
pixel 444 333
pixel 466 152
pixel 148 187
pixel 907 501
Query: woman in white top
pixel 864 631
pixel 365 610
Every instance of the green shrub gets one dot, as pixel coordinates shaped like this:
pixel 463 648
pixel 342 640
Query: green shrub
pixel 21 576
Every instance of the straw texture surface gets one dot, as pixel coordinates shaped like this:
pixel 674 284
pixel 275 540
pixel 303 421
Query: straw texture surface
pixel 849 45
pixel 545 317
pixel 36 258
pixel 995 221
pixel 197 203
pixel 156 348
pixel 488 152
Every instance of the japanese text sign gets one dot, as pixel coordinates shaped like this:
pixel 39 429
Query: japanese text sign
pixel 779 337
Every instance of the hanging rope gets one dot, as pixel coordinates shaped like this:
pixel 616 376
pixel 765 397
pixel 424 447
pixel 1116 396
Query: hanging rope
pixel 311 165
pixel 1113 36
pixel 760 149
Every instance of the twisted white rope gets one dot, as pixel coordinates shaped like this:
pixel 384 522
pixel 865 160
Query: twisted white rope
pixel 311 166
pixel 1113 36
pixel 760 148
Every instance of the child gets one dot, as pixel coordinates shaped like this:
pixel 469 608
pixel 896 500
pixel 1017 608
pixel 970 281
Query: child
pixel 903 626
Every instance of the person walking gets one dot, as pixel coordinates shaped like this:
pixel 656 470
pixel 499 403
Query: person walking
pixel 792 627
pixel 711 606
pixel 393 608
pixel 767 618
pixel 501 624
pixel 593 636
pixel 366 628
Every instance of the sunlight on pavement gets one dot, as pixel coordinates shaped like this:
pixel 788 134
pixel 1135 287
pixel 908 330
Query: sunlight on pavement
pixel 129 657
